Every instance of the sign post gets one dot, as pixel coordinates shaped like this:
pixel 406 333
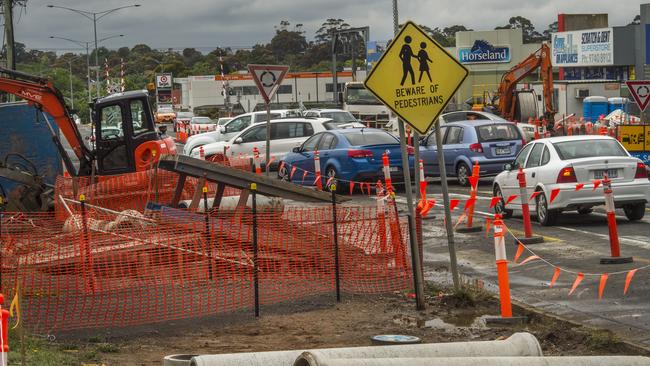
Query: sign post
pixel 416 78
pixel 268 79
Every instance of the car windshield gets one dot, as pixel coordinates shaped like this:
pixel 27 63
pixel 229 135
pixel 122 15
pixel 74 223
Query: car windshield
pixel 360 96
pixel 497 132
pixel 342 116
pixel 577 149
pixel 201 121
pixel 364 138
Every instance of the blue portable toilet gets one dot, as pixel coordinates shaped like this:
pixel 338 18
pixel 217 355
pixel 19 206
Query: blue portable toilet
pixel 617 103
pixel 594 107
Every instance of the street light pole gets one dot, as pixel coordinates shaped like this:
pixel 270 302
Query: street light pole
pixel 71 92
pixel 96 54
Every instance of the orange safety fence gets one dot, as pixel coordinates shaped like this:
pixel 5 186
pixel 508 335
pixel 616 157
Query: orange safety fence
pixel 99 269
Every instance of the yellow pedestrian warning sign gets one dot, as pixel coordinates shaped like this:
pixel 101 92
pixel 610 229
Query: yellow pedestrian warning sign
pixel 416 77
pixel 633 137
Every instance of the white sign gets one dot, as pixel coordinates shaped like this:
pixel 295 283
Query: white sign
pixel 268 78
pixel 640 90
pixel 591 47
pixel 164 81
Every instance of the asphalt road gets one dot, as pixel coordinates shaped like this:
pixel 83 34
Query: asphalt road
pixel 575 244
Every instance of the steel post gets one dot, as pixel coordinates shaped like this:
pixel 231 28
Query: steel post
pixel 337 268
pixel 256 285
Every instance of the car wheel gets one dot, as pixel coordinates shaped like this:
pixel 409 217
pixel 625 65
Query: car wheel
pixel 331 173
pixel 585 211
pixel 462 174
pixel 283 173
pixel 634 212
pixel 500 207
pixel 545 216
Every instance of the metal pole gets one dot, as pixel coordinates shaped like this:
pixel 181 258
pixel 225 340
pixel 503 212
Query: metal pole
pixel 2 204
pixel 71 92
pixel 208 232
pixel 96 55
pixel 268 138
pixel 415 252
pixel 256 288
pixel 9 34
pixel 445 199
pixel 337 266
pixel 335 80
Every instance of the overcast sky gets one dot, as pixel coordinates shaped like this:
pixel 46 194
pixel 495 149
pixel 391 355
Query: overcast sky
pixel 242 23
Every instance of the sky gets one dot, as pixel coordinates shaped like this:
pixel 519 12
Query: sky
pixel 206 24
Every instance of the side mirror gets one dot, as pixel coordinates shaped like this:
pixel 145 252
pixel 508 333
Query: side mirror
pixel 238 140
pixel 296 149
pixel 508 167
pixel 222 129
pixel 162 129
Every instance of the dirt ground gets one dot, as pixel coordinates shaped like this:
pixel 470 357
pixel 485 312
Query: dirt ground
pixel 321 323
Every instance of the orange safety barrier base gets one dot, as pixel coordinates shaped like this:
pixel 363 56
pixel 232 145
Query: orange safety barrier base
pixel 99 269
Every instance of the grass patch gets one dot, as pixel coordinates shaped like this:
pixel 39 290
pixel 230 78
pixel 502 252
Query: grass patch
pixel 107 348
pixel 601 339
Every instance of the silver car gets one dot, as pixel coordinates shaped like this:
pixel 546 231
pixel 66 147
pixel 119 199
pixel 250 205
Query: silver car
pixel 565 162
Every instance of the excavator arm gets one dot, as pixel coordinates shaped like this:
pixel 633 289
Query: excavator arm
pixel 539 59
pixel 41 93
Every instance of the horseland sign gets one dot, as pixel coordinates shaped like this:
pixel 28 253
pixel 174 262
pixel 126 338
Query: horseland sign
pixel 483 52
pixel 592 47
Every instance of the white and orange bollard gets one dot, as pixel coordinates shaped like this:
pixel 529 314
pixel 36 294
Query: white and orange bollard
pixel 319 179
pixel 614 245
pixel 386 168
pixel 469 226
pixel 201 153
pixel 424 205
pixel 537 129
pixel 528 238
pixel 381 223
pixel 4 332
pixel 256 161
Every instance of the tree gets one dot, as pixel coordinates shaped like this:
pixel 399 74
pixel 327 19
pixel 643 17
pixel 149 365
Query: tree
pixel 552 28
pixel 324 33
pixel 191 56
pixel 451 31
pixel 528 29
pixel 286 43
pixel 439 35
pixel 636 20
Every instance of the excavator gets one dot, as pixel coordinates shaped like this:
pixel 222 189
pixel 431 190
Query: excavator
pixel 519 105
pixel 126 139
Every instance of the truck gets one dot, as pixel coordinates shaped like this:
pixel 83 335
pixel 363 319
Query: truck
pixel 364 106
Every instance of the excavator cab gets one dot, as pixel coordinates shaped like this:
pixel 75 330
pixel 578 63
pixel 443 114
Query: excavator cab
pixel 126 139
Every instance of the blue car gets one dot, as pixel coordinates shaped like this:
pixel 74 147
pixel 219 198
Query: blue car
pixel 490 143
pixel 353 154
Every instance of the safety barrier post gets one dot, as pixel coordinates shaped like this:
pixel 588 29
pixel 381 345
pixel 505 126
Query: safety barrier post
pixel 502 275
pixel 208 232
pixel 386 167
pixel 396 235
pixel 337 268
pixel 381 222
pixel 319 180
pixel 4 332
pixel 201 153
pixel 86 255
pixel 611 223
pixel 469 227
pixel 256 284
pixel 256 161
pixel 528 238
pixel 537 129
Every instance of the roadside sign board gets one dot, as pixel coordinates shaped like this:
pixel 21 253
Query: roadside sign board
pixel 416 77
pixel 633 137
pixel 640 90
pixel 163 81
pixel 268 78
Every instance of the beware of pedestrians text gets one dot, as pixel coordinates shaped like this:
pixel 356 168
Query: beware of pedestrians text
pixel 415 85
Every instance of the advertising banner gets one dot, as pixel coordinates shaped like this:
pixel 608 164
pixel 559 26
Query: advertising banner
pixel 484 52
pixel 591 47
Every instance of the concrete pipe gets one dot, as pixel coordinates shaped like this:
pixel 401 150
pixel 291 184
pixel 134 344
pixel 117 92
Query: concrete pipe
pixel 316 358
pixel 177 360
pixel 519 344
pixel 264 203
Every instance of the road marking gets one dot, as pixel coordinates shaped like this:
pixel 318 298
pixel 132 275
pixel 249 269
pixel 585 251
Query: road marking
pixel 639 243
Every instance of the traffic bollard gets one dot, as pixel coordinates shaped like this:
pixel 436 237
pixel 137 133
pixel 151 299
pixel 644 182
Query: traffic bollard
pixel 319 179
pixel 256 161
pixel 611 223
pixel 537 129
pixel 469 227
pixel 386 167
pixel 502 276
pixel 528 238
pixel 4 332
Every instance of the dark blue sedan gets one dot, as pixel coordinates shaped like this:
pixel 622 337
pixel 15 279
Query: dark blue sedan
pixel 353 154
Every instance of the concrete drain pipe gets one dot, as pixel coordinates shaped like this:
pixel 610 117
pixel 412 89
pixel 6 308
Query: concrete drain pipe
pixel 316 358
pixel 519 344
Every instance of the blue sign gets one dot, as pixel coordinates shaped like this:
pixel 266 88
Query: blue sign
pixel 483 52
pixel 644 156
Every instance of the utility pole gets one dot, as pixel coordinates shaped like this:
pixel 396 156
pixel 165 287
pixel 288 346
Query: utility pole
pixel 8 6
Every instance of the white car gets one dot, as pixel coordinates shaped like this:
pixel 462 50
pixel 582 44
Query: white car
pixel 563 163
pixel 527 130
pixel 285 135
pixel 232 127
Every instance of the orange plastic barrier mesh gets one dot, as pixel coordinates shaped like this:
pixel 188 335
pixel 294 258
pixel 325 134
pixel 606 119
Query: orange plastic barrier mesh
pixel 103 269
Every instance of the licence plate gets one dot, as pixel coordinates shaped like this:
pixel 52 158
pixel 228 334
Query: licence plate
pixel 600 174
pixel 503 151
pixel 394 169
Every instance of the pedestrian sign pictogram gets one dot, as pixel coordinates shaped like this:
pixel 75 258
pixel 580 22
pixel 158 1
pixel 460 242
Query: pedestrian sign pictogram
pixel 416 77
pixel 268 78
pixel 640 90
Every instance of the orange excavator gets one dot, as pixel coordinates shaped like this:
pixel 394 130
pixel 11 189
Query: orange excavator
pixel 518 105
pixel 126 140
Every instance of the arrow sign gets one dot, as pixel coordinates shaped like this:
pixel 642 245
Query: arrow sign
pixel 268 78
pixel 640 90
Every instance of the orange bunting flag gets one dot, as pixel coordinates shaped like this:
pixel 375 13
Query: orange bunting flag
pixel 576 282
pixel 351 188
pixel 453 203
pixel 556 275
pixel 368 188
pixel 531 258
pixel 520 251
pixel 425 206
pixel 473 181
pixel 601 286
pixel 469 203
pixel 329 181
pixel 494 201
pixel 460 219
pixel 293 171
pixel 554 194
pixel 579 186
pixel 488 223
pixel 628 279
pixel 361 188
pixel 304 175
pixel 281 166
pixel 511 198
pixel 270 161
pixel 596 184
pixel 535 194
